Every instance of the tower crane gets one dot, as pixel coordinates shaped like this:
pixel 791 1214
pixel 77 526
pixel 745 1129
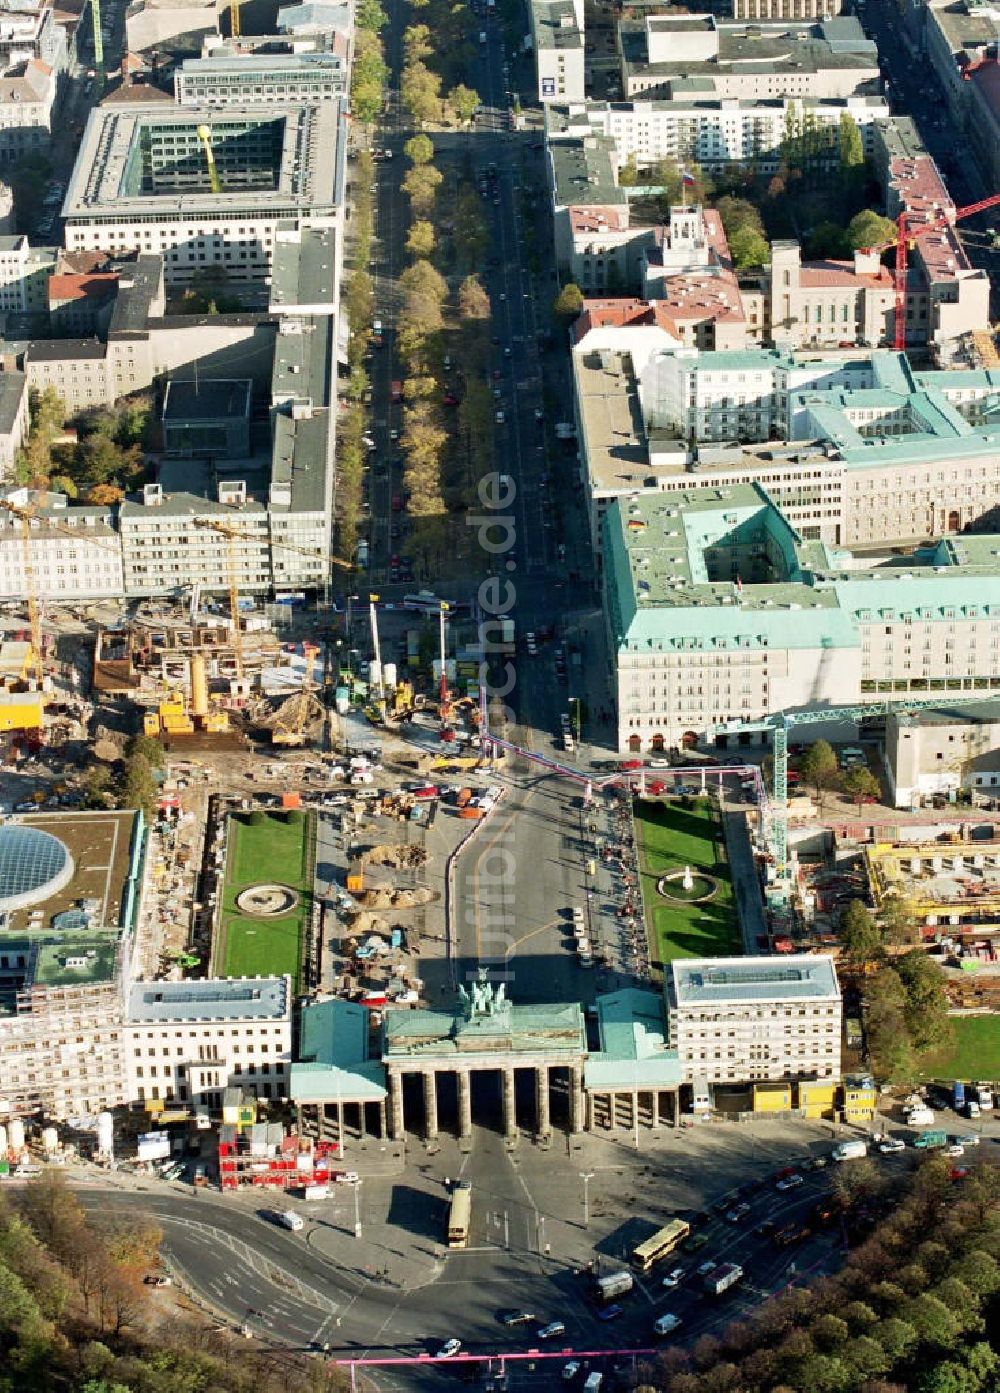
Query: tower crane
pixel 26 517
pixel 910 228
pixel 231 535
pixel 234 19
pixel 782 722
pixel 205 136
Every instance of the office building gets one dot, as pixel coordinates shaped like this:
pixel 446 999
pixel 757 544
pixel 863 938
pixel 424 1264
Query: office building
pixel 557 33
pixel 205 188
pixel 719 616
pixel 260 79
pixel 186 1042
pixel 75 551
pixel 70 895
pixel 739 1020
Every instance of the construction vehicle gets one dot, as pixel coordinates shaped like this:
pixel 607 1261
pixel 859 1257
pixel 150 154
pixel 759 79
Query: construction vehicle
pixel 174 715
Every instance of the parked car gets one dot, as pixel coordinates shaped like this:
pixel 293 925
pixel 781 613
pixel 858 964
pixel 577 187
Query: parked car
pixel 790 1182
pixel 449 1349
pixel 550 1331
pixel 673 1279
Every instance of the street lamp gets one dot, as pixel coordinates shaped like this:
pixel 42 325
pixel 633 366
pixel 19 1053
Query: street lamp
pixel 586 1177
pixel 577 723
pixel 356 1187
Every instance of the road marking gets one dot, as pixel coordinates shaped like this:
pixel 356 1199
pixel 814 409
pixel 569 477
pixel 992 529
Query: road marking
pixel 553 923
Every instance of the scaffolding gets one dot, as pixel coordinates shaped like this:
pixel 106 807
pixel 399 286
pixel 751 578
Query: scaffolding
pixel 264 1157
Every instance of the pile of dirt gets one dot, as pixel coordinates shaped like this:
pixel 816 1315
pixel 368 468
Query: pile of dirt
pixel 397 857
pixel 395 899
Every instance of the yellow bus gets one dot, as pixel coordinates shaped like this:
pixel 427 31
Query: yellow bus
pixel 460 1216
pixel 663 1242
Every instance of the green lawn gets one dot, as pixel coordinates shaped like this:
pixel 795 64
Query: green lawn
pixel 671 837
pixel 265 847
pixel 976 1054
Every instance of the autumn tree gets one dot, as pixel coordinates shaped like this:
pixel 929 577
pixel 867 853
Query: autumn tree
pixel 861 785
pixel 860 936
pixel 419 149
pixel 819 767
pixel 463 102
pixel 47 413
pixel 569 302
pixel 886 1023
pixel 869 229
pixel 420 240
pixel 420 184
pixel 926 1009
pixel 473 301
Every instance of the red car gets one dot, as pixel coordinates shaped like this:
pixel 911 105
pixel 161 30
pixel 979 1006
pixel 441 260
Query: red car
pixel 427 791
pixel 630 764
pixel 397 503
pixel 656 786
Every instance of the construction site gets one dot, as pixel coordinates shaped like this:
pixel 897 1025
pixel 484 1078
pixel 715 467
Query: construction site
pixel 951 886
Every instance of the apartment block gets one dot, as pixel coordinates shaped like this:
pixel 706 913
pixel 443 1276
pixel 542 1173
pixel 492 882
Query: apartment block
pixel 186 1042
pixel 743 1020
pixel 716 134
pixel 27 96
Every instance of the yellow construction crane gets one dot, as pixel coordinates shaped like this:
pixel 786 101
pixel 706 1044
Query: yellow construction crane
pixel 231 535
pixel 205 136
pixel 234 19
pixel 25 516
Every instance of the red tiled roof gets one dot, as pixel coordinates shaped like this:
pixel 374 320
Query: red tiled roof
pixel 821 275
pixel 599 218
pixel 86 287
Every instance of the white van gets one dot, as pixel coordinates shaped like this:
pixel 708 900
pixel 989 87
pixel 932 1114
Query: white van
pixel 595 1382
pixel 291 1220
pixel 666 1325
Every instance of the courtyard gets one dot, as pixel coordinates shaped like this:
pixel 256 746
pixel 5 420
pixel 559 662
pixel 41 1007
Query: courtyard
pixel 273 851
pixel 686 917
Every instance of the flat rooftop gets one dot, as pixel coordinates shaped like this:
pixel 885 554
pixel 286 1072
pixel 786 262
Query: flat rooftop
pixel 736 981
pixel 214 999
pixel 101 846
pixel 584 172
pixel 756 48
pixel 614 437
pixel 208 399
pixel 149 161
pixel 555 25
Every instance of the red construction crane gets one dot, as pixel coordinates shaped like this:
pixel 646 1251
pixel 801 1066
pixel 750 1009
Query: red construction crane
pixel 911 226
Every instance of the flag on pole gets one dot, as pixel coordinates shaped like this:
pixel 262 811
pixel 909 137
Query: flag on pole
pixel 739 586
pixel 688 178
